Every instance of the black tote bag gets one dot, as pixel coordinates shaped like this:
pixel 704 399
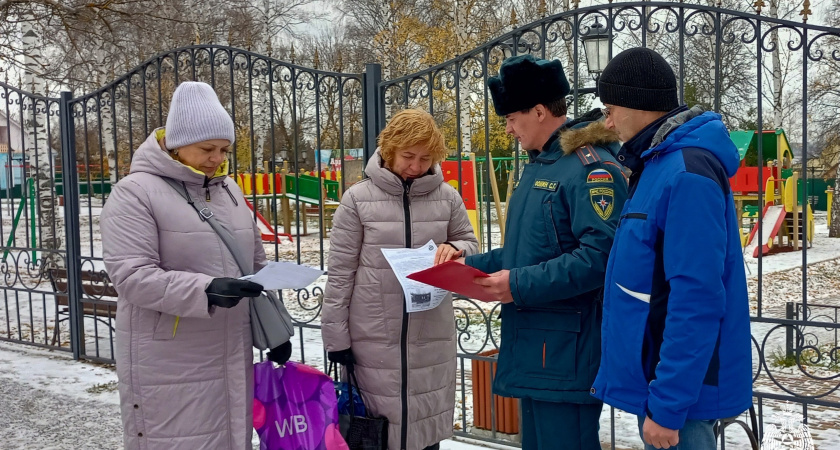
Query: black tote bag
pixel 362 432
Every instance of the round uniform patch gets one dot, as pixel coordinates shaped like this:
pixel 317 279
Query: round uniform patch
pixel 599 176
pixel 602 201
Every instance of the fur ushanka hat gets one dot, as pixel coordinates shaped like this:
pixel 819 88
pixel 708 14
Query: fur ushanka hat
pixel 525 81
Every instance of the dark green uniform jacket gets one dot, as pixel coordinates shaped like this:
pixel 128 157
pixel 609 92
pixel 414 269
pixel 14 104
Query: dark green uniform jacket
pixel 560 226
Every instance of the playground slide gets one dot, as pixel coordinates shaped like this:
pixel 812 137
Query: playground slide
pixel 774 218
pixel 269 234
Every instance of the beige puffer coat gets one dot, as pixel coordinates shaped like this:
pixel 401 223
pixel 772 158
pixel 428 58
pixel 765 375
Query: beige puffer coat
pixel 405 362
pixel 185 371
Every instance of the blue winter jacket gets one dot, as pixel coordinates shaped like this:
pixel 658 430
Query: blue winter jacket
pixel 676 326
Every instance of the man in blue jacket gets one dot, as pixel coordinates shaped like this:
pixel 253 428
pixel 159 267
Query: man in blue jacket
pixel 676 347
pixel 550 272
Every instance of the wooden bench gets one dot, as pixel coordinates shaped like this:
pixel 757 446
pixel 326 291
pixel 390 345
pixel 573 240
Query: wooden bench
pixel 99 299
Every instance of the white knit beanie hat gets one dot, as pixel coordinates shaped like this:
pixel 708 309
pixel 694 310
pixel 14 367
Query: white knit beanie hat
pixel 195 115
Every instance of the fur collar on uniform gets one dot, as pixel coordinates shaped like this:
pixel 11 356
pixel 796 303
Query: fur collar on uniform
pixel 595 133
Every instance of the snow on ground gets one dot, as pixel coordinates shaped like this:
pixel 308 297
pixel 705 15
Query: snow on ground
pixel 822 249
pixel 52 402
pixel 31 316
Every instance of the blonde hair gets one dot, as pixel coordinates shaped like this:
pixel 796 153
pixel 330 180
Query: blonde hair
pixel 408 128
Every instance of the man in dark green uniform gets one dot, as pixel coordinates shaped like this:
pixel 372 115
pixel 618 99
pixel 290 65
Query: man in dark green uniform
pixel 550 273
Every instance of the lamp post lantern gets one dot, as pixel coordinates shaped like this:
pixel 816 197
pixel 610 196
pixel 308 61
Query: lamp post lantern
pixel 596 46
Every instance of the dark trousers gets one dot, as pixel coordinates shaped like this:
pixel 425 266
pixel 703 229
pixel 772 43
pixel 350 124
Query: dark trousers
pixel 560 426
pixel 433 447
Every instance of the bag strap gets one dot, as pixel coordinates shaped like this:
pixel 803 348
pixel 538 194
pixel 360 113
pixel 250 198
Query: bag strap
pixel 207 216
pixel 353 383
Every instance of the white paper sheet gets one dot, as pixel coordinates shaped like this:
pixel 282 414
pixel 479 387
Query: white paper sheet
pixel 284 275
pixel 405 261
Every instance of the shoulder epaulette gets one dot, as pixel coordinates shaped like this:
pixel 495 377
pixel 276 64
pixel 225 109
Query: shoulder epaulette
pixel 588 155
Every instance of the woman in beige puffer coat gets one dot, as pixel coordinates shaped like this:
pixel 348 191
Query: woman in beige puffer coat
pixel 405 363
pixel 183 339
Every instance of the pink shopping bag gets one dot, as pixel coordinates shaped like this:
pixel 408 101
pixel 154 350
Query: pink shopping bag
pixel 295 408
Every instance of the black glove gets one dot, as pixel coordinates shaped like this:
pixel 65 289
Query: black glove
pixel 281 353
pixel 226 292
pixel 343 357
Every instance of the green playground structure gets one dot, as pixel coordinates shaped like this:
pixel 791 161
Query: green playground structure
pixel 301 185
pixel 776 161
pixel 503 166
pixel 33 232
pixel 86 187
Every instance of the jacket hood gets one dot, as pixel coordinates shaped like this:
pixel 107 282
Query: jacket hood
pixel 151 158
pixel 391 183
pixel 697 129
pixel 593 133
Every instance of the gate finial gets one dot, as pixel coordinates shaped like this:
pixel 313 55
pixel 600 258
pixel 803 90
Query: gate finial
pixel 513 21
pixel 758 5
pixel 542 9
pixel 806 11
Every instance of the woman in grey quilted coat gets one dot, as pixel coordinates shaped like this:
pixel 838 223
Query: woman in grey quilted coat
pixel 405 363
pixel 183 334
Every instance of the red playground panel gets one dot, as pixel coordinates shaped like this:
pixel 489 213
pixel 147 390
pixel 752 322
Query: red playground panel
pixel 746 179
pixel 468 186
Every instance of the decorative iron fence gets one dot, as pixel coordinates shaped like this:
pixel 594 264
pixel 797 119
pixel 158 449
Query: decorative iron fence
pixel 57 294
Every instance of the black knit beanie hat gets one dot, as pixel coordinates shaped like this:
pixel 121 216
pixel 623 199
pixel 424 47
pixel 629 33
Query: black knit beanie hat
pixel 639 78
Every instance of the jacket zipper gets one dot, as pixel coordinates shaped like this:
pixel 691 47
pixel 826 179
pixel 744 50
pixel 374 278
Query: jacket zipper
pixel 206 189
pixel 640 216
pixel 404 333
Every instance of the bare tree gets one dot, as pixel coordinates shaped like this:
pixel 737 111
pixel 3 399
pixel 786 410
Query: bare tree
pixel 84 40
pixel 825 107
pixel 36 141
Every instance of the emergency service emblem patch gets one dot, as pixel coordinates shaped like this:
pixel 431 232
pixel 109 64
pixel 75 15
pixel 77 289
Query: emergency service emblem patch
pixel 599 176
pixel 602 201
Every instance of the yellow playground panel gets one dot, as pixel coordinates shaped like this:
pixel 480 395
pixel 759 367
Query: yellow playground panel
pixel 782 226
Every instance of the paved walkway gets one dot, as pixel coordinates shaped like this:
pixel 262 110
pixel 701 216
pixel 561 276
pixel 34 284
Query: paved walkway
pixel 51 402
pixel 35 418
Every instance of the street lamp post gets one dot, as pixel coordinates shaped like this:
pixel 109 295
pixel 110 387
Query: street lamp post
pixel 596 45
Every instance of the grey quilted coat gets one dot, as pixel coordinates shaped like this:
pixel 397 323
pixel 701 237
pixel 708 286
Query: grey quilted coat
pixel 405 362
pixel 185 371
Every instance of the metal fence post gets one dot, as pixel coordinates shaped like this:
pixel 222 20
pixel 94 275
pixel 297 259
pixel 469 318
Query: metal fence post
pixel 790 314
pixel 373 105
pixel 70 181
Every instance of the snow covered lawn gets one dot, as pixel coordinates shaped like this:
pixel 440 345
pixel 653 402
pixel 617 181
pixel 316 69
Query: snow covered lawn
pixel 52 402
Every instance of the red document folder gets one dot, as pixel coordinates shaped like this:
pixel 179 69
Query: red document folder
pixel 453 276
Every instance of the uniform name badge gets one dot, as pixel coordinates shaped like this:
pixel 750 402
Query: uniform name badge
pixel 545 185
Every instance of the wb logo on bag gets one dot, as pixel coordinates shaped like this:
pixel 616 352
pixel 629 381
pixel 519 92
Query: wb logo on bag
pixel 291 425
